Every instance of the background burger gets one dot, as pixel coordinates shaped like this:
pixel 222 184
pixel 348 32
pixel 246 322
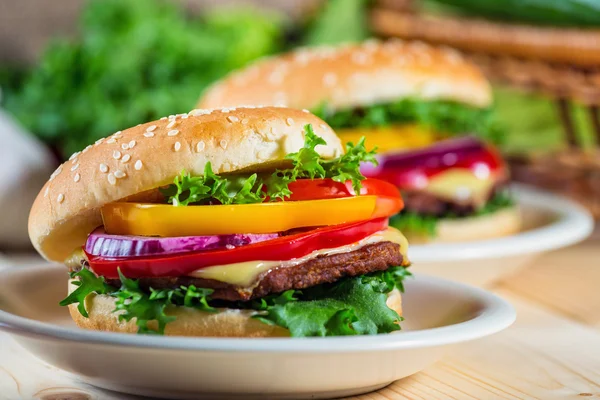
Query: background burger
pixel 398 94
pixel 233 222
pixel 403 97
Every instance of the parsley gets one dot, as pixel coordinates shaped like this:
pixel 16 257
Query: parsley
pixel 426 225
pixel 87 283
pixel 237 189
pixel 442 116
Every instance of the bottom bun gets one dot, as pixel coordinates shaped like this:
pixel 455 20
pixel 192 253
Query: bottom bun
pixel 189 321
pixel 500 223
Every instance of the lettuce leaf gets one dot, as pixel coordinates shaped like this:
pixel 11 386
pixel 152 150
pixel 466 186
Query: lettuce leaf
pixel 351 306
pixel 237 189
pixel 440 115
pixel 426 225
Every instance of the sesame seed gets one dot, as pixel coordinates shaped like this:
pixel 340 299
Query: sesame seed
pixel 138 165
pixel 120 174
pixel 74 155
pixel 111 178
pixel 329 79
pixel 173 132
pixel 55 173
pixel 289 121
pixel 74 167
pixel 223 144
pixel 125 158
pixel 86 149
pixel 124 146
pixel 232 118
pixel 306 111
pixel 200 146
pixel 132 144
pixel 360 58
pixel 77 177
pixel 117 134
pixel 163 118
pixel 99 141
pixel 60 198
pixel 177 146
pixel 245 121
pixel 171 124
pixel 111 140
pixel 116 154
pixel 103 168
pixel 46 191
pixel 149 134
pixel 150 128
pixel 224 110
pixel 197 112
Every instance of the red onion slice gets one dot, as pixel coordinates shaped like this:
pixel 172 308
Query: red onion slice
pixel 101 244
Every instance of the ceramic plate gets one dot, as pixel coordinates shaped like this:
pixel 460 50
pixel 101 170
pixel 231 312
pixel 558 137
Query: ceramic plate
pixel 438 313
pixel 549 222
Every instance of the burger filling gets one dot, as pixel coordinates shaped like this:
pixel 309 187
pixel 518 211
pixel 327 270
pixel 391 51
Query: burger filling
pixel 411 123
pixel 307 248
pixel 453 179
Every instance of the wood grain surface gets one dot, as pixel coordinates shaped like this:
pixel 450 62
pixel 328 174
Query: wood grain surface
pixel 551 352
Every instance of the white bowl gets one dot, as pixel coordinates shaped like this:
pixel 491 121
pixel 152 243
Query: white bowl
pixel 549 222
pixel 438 313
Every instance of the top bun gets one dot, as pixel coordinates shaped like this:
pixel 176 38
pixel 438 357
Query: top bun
pixel 353 76
pixel 129 164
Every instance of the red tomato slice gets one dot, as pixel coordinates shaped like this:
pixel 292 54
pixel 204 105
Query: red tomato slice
pixel 316 189
pixel 283 248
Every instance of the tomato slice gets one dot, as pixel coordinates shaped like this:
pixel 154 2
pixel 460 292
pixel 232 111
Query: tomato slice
pixel 312 189
pixel 280 249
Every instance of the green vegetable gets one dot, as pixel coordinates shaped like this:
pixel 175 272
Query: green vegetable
pixel 135 61
pixel 442 116
pixel 133 302
pixel 339 21
pixel 426 225
pixel 87 283
pixel 574 13
pixel 351 306
pixel 237 189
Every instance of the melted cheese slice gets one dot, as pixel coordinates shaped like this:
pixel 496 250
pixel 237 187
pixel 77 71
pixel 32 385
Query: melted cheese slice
pixel 246 274
pixel 462 185
pixel 396 137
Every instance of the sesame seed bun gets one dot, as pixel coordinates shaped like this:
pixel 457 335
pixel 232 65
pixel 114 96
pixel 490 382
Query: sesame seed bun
pixel 504 222
pixel 133 163
pixel 354 76
pixel 189 322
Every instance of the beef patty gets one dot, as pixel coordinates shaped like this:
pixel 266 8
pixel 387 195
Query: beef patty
pixel 321 269
pixel 424 203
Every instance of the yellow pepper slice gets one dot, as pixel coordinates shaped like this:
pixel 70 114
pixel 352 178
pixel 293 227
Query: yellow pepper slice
pixel 166 220
pixel 395 137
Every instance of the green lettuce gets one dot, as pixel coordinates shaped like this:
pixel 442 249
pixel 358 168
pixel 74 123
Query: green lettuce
pixel 426 225
pixel 244 189
pixel 442 116
pixel 351 306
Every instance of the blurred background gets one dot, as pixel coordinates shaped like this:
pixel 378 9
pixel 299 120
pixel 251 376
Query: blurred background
pixel 72 71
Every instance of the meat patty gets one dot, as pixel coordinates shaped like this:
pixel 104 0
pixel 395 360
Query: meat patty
pixel 321 269
pixel 425 203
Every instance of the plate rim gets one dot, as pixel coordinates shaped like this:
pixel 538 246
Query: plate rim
pixel 573 223
pixel 496 314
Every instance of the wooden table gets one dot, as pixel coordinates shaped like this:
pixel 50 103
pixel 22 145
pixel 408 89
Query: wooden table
pixel 551 352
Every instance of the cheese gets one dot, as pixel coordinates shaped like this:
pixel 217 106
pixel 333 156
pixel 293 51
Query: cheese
pixel 462 185
pixel 396 137
pixel 245 274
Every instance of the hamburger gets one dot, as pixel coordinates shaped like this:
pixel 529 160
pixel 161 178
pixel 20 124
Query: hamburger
pixel 399 95
pixel 239 222
pixel 404 97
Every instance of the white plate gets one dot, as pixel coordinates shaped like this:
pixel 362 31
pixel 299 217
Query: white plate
pixel 438 313
pixel 550 222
